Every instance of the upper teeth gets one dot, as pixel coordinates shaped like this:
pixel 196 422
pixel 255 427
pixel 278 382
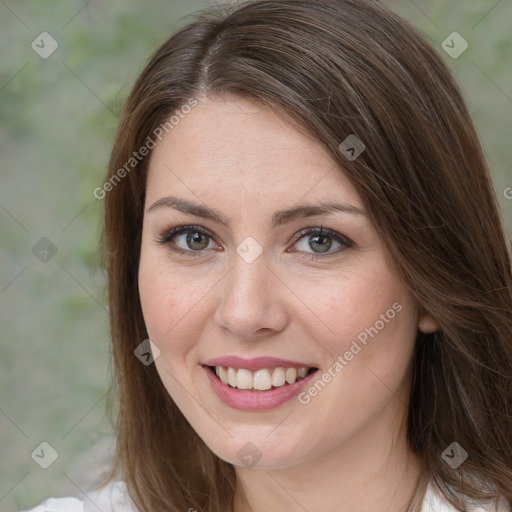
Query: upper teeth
pixel 261 380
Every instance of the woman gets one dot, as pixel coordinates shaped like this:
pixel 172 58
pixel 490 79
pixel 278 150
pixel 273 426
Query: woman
pixel 299 216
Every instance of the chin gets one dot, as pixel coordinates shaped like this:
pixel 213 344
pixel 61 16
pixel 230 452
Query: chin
pixel 258 452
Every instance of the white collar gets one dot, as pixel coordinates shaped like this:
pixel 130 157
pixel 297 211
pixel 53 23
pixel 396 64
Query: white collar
pixel 114 497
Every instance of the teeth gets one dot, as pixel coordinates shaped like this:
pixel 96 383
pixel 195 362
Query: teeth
pixel 243 379
pixel 291 375
pixel 260 380
pixel 222 373
pixel 278 378
pixel 302 372
pixel 232 377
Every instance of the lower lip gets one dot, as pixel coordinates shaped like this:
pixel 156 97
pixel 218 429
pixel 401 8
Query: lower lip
pixel 245 400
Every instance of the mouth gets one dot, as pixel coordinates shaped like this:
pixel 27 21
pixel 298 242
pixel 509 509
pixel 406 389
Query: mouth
pixel 260 380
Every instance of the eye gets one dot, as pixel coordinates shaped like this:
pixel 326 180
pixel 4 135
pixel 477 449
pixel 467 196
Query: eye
pixel 193 240
pixel 320 240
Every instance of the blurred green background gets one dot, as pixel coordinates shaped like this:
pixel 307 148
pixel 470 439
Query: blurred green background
pixel 57 121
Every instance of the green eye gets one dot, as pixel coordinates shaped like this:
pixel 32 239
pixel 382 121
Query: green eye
pixel 195 240
pixel 320 240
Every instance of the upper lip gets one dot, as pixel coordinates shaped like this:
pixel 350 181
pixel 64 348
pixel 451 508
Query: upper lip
pixel 256 363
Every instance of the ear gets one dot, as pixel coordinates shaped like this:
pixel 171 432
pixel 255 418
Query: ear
pixel 427 324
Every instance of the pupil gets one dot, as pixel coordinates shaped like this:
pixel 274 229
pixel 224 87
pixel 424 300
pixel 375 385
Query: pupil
pixel 195 238
pixel 323 239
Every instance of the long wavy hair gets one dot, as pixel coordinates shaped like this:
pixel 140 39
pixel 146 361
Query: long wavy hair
pixel 335 68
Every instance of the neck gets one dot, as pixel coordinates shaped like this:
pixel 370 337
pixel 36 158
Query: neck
pixel 380 476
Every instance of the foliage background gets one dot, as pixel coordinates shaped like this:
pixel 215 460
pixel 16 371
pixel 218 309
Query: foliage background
pixel 57 121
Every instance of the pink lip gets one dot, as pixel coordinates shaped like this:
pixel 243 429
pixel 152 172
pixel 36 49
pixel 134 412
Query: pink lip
pixel 256 363
pixel 245 400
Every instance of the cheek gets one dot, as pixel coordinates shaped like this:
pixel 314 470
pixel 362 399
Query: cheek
pixel 372 323
pixel 173 304
pixel 158 295
pixel 343 306
pixel 155 299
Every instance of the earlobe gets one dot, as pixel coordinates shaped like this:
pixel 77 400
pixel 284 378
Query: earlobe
pixel 428 324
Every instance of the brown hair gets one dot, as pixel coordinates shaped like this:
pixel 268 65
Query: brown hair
pixel 335 67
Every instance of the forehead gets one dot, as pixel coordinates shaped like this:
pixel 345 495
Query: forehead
pixel 248 149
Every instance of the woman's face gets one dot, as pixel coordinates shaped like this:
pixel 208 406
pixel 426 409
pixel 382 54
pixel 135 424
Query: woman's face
pixel 256 290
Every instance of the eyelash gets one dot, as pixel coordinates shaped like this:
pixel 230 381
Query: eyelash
pixel 166 238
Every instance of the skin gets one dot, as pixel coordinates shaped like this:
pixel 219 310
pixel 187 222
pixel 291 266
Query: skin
pixel 345 450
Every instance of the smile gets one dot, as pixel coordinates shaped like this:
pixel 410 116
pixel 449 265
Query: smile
pixel 260 380
pixel 258 384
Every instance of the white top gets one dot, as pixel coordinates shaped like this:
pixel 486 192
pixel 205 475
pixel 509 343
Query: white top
pixel 114 498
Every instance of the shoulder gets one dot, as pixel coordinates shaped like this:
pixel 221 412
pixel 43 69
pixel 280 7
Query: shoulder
pixel 112 497
pixel 435 502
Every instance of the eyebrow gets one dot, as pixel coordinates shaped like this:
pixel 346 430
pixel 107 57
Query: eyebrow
pixel 278 218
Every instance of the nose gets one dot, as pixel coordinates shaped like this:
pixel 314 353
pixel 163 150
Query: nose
pixel 252 301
